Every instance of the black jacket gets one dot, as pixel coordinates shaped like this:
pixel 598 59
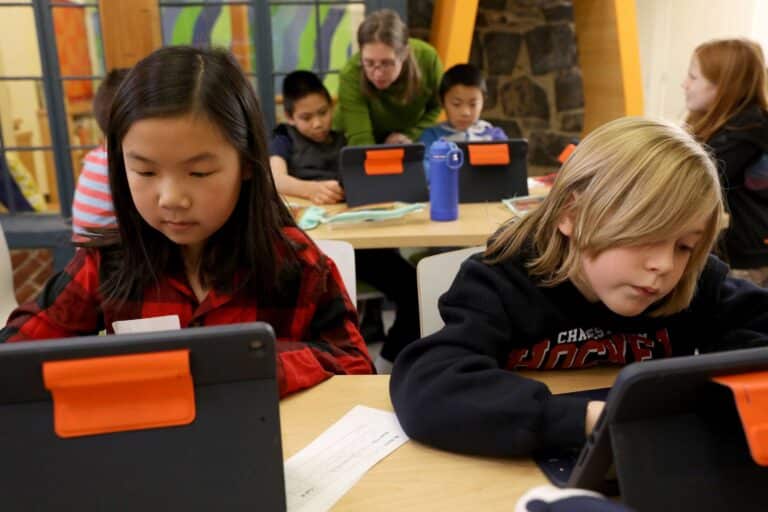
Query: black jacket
pixel 310 160
pixel 455 389
pixel 737 145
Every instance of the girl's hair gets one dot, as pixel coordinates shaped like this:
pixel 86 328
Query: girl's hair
pixel 179 81
pixel 737 68
pixel 631 181
pixel 385 26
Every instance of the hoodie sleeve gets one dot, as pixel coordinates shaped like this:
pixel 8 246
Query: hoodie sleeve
pixel 450 389
pixel 739 309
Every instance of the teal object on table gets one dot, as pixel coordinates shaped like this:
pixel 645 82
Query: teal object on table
pixel 312 217
pixel 374 214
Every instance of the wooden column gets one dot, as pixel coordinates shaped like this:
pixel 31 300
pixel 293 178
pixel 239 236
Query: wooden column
pixel 130 30
pixel 609 57
pixel 453 22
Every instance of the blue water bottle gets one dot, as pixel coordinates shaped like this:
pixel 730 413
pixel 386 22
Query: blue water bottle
pixel 445 159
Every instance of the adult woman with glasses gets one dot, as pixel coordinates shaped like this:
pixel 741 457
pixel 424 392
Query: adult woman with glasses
pixel 388 90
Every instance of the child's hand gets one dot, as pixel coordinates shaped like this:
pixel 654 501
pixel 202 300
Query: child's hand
pixel 324 192
pixel 397 138
pixel 594 408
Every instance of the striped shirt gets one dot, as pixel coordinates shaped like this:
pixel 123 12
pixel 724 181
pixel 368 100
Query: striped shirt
pixel 92 206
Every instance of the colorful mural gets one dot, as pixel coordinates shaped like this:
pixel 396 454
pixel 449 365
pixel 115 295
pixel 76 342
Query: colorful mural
pixel 325 34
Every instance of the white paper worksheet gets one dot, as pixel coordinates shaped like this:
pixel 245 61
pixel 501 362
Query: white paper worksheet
pixel 322 472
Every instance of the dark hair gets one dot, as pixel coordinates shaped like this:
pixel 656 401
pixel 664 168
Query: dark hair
pixel 102 102
pixel 461 74
pixel 385 26
pixel 177 81
pixel 300 84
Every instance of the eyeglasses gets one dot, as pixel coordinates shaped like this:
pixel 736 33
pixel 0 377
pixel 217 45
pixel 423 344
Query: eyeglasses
pixel 384 65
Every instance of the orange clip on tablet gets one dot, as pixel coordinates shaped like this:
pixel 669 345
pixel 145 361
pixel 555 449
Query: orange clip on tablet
pixel 118 393
pixel 750 391
pixel 384 161
pixel 488 154
pixel 565 153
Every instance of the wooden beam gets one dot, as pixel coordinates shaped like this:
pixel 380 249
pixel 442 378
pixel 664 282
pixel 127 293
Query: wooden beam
pixel 130 31
pixel 453 22
pixel 609 57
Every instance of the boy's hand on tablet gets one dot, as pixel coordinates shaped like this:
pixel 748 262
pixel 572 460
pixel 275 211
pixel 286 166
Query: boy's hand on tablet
pixel 594 408
pixel 324 192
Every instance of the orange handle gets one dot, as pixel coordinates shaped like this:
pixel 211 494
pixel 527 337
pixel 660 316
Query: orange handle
pixel 488 154
pixel 384 161
pixel 118 393
pixel 750 391
pixel 565 153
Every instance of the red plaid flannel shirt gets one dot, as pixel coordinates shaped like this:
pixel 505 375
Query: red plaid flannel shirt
pixel 317 331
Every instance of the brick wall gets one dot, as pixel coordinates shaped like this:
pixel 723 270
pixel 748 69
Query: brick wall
pixel 31 269
pixel 528 54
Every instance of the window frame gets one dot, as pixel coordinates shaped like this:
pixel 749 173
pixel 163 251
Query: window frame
pixel 53 230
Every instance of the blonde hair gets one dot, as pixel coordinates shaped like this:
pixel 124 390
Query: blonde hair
pixel 631 181
pixel 737 69
pixel 385 26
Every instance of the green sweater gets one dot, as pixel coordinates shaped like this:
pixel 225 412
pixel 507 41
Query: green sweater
pixel 368 120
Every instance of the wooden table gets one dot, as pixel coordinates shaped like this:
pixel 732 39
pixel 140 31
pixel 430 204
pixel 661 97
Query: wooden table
pixel 476 222
pixel 416 477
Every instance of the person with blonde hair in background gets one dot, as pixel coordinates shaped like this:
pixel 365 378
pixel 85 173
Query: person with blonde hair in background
pixel 388 89
pixel 613 267
pixel 725 93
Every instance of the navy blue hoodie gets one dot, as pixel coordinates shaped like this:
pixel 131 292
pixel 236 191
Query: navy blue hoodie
pixel 457 389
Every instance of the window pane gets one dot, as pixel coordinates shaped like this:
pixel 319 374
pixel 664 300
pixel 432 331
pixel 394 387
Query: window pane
pixel 326 38
pixel 22 110
pixel 195 2
pixel 331 82
pixel 277 2
pixel 19 54
pixel 79 46
pixel 279 112
pixel 223 26
pixel 338 33
pixel 254 83
pixel 29 185
pixel 82 126
pixel 294 31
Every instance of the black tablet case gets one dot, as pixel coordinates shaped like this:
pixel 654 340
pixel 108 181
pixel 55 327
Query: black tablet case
pixel 675 438
pixel 360 188
pixel 229 458
pixel 483 183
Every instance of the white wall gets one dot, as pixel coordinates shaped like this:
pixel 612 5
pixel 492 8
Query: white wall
pixel 669 30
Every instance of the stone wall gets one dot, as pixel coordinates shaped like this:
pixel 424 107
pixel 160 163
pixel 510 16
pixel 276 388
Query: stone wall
pixel 527 51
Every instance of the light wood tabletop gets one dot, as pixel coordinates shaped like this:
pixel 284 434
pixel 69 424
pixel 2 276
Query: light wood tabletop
pixel 476 222
pixel 416 477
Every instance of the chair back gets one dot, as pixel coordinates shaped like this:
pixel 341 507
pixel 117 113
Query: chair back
pixel 435 275
pixel 343 255
pixel 7 292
